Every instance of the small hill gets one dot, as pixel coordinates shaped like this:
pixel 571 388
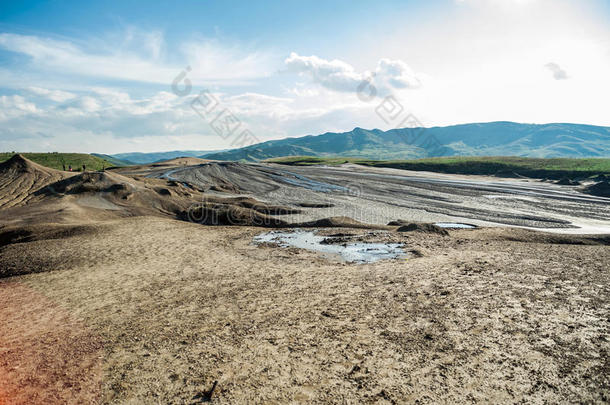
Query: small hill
pixel 58 160
pixel 121 195
pixel 425 228
pixel 181 161
pixel 21 178
pixel 87 182
pixel 31 193
pixel 18 164
pixel 601 189
pixel 601 177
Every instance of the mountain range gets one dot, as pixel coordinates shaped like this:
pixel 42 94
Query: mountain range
pixel 141 158
pixel 480 139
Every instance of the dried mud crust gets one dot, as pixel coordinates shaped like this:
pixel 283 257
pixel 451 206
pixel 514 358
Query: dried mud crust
pixel 377 196
pixel 486 315
pixel 21 178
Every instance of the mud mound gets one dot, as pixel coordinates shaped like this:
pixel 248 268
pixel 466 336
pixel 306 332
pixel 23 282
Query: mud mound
pixel 230 177
pixel 17 163
pixel 398 222
pixel 228 213
pixel 12 235
pixel 20 178
pixel 119 195
pixel 567 182
pixel 86 196
pixel 426 228
pixel 89 182
pixel 223 186
pixel 180 161
pixel 337 222
pixel 536 237
pixel 163 191
pixel 14 241
pixel 601 189
pixel 251 203
pixel 316 205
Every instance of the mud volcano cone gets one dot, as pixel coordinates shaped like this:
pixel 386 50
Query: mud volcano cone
pixel 601 189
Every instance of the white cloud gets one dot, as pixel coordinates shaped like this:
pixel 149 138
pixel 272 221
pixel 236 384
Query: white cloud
pixel 66 58
pixel 53 95
pixel 337 75
pixel 212 61
pixel 558 72
pixel 15 106
pixel 110 121
pixel 396 74
pixel 334 74
pixel 138 58
pixel 87 104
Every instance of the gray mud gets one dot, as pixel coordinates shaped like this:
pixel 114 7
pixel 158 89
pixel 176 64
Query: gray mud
pixel 377 196
pixel 351 252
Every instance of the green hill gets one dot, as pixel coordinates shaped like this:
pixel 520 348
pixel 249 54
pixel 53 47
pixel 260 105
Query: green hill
pixel 55 160
pixel 555 168
pixel 485 139
pixel 114 160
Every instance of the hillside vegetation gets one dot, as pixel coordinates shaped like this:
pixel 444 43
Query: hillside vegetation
pixel 141 158
pixel 485 139
pixel 56 160
pixel 113 160
pixel 554 168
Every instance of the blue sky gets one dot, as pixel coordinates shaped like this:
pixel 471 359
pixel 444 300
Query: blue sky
pixel 97 76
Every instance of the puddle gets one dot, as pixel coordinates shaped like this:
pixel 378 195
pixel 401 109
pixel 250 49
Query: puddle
pixel 350 252
pixel 454 225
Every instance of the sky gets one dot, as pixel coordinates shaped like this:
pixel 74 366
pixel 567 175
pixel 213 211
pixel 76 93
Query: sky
pixel 126 76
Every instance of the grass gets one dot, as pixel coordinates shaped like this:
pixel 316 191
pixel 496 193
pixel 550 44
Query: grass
pixel 112 160
pixel 553 168
pixel 56 160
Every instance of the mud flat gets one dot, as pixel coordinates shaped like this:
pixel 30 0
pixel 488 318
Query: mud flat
pixel 108 295
pixel 150 309
pixel 378 196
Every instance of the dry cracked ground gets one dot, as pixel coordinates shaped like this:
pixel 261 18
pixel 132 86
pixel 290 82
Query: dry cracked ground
pixel 100 305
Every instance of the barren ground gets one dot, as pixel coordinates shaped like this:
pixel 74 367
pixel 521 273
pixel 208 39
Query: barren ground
pixel 150 310
pixel 117 306
pixel 380 195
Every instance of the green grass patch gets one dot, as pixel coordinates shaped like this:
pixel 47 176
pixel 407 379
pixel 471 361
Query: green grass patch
pixel 553 168
pixel 57 160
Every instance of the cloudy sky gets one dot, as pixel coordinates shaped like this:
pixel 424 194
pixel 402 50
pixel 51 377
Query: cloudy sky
pixel 122 76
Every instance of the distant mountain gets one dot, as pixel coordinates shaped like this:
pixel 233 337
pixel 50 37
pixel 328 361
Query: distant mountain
pixel 145 158
pixel 113 160
pixel 485 139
